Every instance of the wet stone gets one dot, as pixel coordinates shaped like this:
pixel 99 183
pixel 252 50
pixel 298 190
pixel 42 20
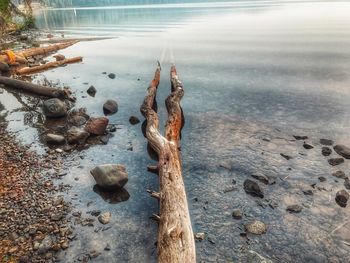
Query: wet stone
pixel 262 178
pixel 111 75
pixel 54 108
pixel 322 179
pixel 347 184
pixel 294 208
pixel 96 126
pixel 342 150
pixel 45 245
pixel 91 91
pixel 299 137
pixel 110 176
pixel 285 156
pixel 342 198
pixel 326 142
pixel 253 188
pixel 95 212
pixel 237 214
pixel 307 146
pixel 54 138
pixel 107 247
pixel 104 218
pixel 326 151
pixel 256 227
pixel 340 174
pixel 199 236
pixel 308 192
pixel 134 120
pixel 335 161
pixel 254 257
pixel 110 107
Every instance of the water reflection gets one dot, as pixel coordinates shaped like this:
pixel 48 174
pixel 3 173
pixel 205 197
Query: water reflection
pixel 112 197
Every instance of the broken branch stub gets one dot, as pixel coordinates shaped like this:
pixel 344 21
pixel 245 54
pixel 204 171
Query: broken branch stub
pixel 175 235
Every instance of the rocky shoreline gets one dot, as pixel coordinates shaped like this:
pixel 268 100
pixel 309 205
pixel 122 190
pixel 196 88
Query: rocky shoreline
pixel 33 223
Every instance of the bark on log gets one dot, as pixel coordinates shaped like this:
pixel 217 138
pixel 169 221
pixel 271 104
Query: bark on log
pixel 35 89
pixel 175 235
pixel 22 55
pixel 30 70
pixel 45 50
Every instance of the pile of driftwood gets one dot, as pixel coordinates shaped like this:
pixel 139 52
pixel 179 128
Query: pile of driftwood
pixel 18 64
pixel 19 61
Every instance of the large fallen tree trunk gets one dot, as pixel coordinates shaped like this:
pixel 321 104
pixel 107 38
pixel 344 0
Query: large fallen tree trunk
pixel 53 64
pixel 35 89
pixel 22 55
pixel 175 235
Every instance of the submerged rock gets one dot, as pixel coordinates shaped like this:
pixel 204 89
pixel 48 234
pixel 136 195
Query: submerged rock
pixel 199 236
pixel 253 188
pixel 342 198
pixel 111 75
pixel 298 137
pixel 307 146
pixel 262 178
pixel 110 107
pixel 237 214
pixel 54 108
pixel 91 91
pixel 294 208
pixel 340 174
pixel 342 150
pixel 256 227
pixel 347 183
pixel 326 151
pixel 326 142
pixel 110 176
pixel 104 218
pixel 335 161
pixel 285 156
pixel 54 138
pixel 77 135
pixel 97 126
pixel 134 120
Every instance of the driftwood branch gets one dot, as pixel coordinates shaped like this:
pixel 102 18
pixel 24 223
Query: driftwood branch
pixel 175 235
pixel 34 89
pixel 30 70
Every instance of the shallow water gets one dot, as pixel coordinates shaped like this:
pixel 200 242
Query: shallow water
pixel 255 73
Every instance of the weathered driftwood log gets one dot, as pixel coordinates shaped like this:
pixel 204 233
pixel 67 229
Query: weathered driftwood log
pixel 30 70
pixel 22 55
pixel 45 50
pixel 35 89
pixel 175 235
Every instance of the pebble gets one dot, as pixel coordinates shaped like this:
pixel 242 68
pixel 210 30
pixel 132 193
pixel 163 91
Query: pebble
pixel 342 198
pixel 326 151
pixel 199 236
pixel 104 218
pixel 294 208
pixel 298 137
pixel 326 142
pixel 342 150
pixel 307 146
pixel 107 247
pixel 340 174
pixel 134 120
pixel 287 157
pixel 262 178
pixel 237 214
pixel 347 184
pixel 335 161
pixel 253 188
pixel 256 227
pixel 322 179
pixel 111 75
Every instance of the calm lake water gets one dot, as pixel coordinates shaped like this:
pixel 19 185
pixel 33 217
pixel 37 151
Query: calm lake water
pixel 255 73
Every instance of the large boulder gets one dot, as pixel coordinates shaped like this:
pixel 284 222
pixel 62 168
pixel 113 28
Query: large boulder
pixel 342 150
pixel 54 108
pixel 110 176
pixel 77 135
pixel 97 126
pixel 110 107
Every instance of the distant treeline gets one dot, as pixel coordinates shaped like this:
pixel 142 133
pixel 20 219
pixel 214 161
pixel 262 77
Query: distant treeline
pixel 86 3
